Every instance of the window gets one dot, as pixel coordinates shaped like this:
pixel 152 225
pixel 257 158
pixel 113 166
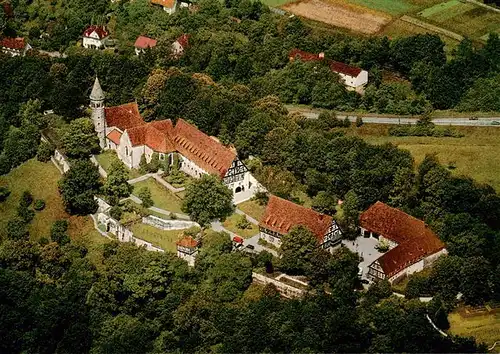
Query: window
pixel 249 185
pixel 162 156
pixel 126 150
pixel 237 190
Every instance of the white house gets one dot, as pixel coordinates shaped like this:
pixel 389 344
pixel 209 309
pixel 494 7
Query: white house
pixel 187 249
pixel 282 215
pixel 14 46
pixel 180 45
pixel 94 37
pixel 169 6
pixel 354 78
pixel 142 43
pixel 413 246
pixel 122 129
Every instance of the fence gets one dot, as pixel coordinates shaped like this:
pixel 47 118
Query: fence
pixel 284 289
pixel 163 224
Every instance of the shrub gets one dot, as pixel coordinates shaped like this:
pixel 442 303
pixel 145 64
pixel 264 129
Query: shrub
pixel 172 216
pixel 154 165
pixel 143 165
pixel 25 213
pixel 39 204
pixel 359 122
pixel 243 223
pixel 5 164
pixel 26 199
pixel 4 193
pixel 145 196
pixel 17 229
pixel 58 232
pixel 261 198
pixel 45 152
pixel 116 212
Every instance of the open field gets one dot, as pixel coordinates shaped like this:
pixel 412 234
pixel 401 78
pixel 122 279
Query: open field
pixel 160 238
pixel 162 197
pixel 341 14
pixel 485 328
pixel 476 155
pixel 41 180
pixel 231 222
pixel 252 208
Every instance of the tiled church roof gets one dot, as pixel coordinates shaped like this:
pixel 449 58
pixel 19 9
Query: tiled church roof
pixel 114 136
pixel 414 238
pixel 123 117
pixel 282 215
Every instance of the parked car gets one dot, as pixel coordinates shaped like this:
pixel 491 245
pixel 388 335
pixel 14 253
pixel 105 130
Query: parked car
pixel 250 247
pixel 473 118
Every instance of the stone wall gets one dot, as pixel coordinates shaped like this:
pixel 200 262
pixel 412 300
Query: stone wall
pixel 163 224
pixel 284 289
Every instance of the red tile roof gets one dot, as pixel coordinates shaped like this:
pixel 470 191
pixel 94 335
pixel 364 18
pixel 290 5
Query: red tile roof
pixel 13 43
pixel 123 117
pixel 414 238
pixel 188 242
pixel 100 30
pixel 203 150
pixel 183 41
pixel 157 135
pixel 144 42
pixel 335 66
pixel 282 215
pixel 165 3
pixel 115 136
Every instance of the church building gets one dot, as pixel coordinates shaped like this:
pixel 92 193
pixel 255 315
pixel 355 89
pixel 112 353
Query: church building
pixel 122 129
pixel 282 215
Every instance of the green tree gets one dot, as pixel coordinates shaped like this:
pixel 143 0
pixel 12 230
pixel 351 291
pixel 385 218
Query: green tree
pixel 78 187
pixel 59 232
pixel 325 202
pixel 17 229
pixel 403 191
pixel 80 140
pixel 296 250
pixel 145 196
pixel 116 186
pixel 45 151
pixel 474 275
pixel 207 199
pixel 350 208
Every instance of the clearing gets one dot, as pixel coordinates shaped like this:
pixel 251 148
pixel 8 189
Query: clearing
pixel 485 328
pixel 162 197
pixel 252 208
pixel 159 238
pixel 231 224
pixel 476 155
pixel 340 14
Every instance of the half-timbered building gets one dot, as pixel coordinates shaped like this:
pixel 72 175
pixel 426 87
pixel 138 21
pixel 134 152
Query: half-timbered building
pixel 282 215
pixel 122 129
pixel 187 249
pixel 413 246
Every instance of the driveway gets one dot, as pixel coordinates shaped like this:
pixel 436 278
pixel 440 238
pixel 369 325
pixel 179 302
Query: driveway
pixel 365 247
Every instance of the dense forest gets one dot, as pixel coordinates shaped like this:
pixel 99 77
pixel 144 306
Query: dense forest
pixel 232 83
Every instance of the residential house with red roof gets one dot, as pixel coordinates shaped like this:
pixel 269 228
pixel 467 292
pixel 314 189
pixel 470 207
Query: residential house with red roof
pixel 142 43
pixel 169 6
pixel 180 45
pixel 95 36
pixel 122 129
pixel 354 78
pixel 413 246
pixel 282 215
pixel 14 46
pixel 187 249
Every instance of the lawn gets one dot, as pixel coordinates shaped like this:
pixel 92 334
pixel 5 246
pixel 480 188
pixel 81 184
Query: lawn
pixel 252 208
pixel 106 159
pixel 159 238
pixel 485 328
pixel 231 222
pixel 276 3
pixel 476 155
pixel 162 197
pixel 393 7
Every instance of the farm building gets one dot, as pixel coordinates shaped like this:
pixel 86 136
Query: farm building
pixel 142 43
pixel 180 45
pixel 412 245
pixel 354 78
pixel 14 46
pixel 122 129
pixel 187 249
pixel 94 37
pixel 282 215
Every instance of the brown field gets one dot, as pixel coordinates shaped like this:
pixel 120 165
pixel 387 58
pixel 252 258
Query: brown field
pixel 340 14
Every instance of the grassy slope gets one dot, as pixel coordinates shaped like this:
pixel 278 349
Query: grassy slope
pixel 106 159
pixel 160 238
pixel 253 209
pixel 230 224
pixel 484 328
pixel 162 197
pixel 476 155
pixel 41 179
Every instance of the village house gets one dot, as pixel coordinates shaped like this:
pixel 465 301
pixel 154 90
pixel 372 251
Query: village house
pixel 14 46
pixel 282 215
pixel 354 78
pixel 180 45
pixel 413 246
pixel 169 6
pixel 142 43
pixel 187 249
pixel 94 37
pixel 122 129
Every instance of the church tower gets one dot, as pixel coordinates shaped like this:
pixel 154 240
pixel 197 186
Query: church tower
pixel 98 116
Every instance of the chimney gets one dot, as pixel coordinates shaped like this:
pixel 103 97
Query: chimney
pixel 321 55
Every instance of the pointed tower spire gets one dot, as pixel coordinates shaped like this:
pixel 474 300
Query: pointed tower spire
pixel 97 94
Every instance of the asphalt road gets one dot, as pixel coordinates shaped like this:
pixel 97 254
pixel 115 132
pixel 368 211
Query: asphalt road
pixel 490 121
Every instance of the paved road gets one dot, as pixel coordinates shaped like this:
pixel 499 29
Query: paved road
pixel 490 121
